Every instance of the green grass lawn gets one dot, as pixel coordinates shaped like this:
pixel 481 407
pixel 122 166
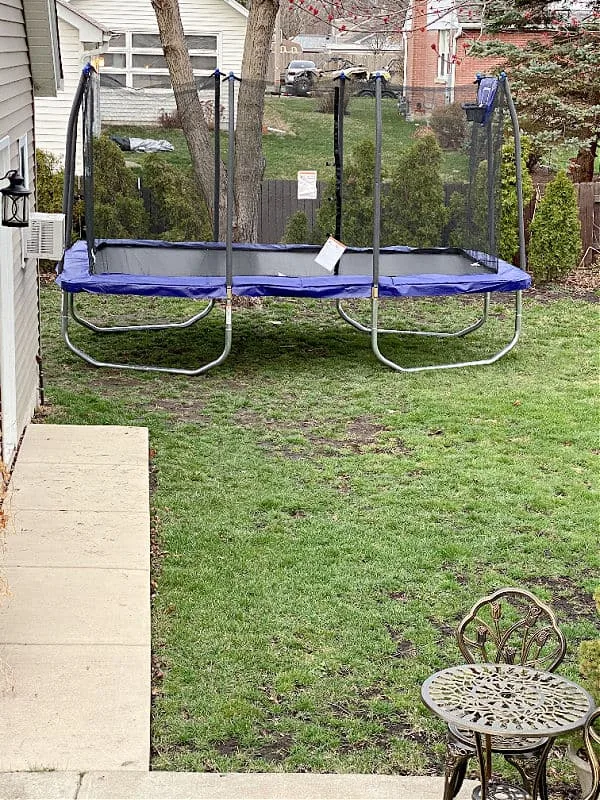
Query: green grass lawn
pixel 309 141
pixel 321 523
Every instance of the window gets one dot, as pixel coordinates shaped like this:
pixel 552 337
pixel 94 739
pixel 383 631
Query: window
pixel 136 60
pixel 444 54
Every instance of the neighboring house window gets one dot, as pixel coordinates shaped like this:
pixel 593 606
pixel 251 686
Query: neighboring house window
pixel 136 60
pixel 444 54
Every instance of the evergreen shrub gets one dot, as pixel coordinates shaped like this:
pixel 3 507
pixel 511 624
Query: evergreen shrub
pixel 176 208
pixel 508 242
pixel 357 220
pixel 415 213
pixel 555 232
pixel 297 230
pixel 48 182
pixel 119 211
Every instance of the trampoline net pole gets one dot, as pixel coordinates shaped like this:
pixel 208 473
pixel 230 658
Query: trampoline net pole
pixel 70 151
pixel 230 168
pixel 217 155
pixel 377 182
pixel 338 133
pixel 518 169
pixel 88 166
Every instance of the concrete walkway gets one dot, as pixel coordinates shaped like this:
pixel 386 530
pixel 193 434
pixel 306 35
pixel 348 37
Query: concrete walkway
pixel 212 786
pixel 75 639
pixel 75 633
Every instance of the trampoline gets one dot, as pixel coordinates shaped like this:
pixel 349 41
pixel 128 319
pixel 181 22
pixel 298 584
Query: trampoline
pixel 220 271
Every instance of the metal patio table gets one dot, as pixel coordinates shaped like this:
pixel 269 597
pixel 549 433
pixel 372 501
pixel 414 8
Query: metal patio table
pixel 506 700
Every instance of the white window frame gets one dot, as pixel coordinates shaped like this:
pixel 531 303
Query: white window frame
pixel 444 51
pixel 129 51
pixel 8 365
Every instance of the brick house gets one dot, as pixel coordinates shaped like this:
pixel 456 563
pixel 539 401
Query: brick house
pixel 437 39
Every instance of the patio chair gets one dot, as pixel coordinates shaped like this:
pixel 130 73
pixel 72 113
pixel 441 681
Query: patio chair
pixel 510 626
pixel 591 738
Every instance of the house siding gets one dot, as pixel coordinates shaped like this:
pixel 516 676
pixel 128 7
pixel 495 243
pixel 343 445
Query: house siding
pixel 52 114
pixel 131 106
pixel 16 121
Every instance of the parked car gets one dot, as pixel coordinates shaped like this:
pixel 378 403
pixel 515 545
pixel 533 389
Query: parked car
pixel 300 77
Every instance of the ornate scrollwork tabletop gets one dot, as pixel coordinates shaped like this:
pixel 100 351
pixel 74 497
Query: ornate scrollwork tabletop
pixel 497 699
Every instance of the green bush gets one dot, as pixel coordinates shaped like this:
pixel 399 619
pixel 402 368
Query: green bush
pixel 454 232
pixel 449 124
pixel 48 182
pixel 508 242
pixel 357 219
pixel 414 209
pixel 119 211
pixel 555 232
pixel 177 211
pixel 297 230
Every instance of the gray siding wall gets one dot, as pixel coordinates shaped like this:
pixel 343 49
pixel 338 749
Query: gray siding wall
pixel 52 113
pixel 16 121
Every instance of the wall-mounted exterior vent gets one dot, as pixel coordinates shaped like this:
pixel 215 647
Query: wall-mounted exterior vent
pixel 45 236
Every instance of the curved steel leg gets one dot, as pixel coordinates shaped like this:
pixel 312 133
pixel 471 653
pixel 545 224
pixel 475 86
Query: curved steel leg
pixel 439 334
pixel 65 313
pixel 457 760
pixel 480 362
pixel 158 326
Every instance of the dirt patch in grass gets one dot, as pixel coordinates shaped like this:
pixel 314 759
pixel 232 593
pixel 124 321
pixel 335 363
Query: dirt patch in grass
pixel 361 435
pixel 277 749
pixel 582 283
pixel 186 411
pixel 569 601
pixel 404 647
pixel 227 747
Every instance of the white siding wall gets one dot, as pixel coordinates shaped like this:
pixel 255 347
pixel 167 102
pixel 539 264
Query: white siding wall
pixel 52 113
pixel 198 16
pixel 16 121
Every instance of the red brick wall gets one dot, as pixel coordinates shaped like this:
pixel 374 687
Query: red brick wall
pixel 468 66
pixel 421 60
pixel 422 63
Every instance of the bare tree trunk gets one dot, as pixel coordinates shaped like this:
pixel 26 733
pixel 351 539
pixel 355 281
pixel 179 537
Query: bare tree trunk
pixel 249 160
pixel 195 126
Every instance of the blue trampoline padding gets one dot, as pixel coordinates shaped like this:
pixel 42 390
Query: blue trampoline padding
pixel 76 277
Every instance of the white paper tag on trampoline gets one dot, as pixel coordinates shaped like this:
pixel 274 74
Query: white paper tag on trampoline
pixel 307 184
pixel 331 252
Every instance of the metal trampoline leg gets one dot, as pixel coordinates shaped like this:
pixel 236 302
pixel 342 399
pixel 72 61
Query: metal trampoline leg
pixel 160 326
pixel 481 362
pixel 436 334
pixel 65 314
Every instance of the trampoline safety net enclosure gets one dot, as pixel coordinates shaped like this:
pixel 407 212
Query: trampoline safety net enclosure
pixel 455 253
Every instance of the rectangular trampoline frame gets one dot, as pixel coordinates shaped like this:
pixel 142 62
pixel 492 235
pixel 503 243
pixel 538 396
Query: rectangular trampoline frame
pixel 205 270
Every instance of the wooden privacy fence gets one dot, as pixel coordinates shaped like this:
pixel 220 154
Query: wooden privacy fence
pixel 279 201
pixel 588 198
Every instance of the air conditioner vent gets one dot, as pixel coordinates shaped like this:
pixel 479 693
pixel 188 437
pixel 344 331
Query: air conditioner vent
pixel 46 236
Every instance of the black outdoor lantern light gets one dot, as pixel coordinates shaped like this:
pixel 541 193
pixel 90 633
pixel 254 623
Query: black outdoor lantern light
pixel 15 201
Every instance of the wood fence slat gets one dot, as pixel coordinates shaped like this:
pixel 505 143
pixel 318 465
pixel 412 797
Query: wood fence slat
pixel 585 199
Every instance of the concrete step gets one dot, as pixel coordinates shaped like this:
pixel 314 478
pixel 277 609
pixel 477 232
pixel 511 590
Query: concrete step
pixel 213 786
